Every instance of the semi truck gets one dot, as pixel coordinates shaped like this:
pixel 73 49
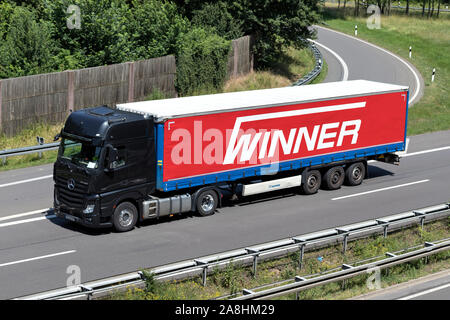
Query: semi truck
pixel 144 160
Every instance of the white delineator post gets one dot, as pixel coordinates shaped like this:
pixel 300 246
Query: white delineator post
pixel 410 51
pixel 356 30
pixel 432 75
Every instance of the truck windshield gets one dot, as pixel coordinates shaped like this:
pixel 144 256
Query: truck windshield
pixel 81 153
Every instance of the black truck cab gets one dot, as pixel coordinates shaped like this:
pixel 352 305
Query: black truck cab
pixel 106 159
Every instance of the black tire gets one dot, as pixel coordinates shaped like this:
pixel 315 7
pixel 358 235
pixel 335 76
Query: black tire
pixel 125 217
pixel 311 181
pixel 355 173
pixel 334 178
pixel 206 203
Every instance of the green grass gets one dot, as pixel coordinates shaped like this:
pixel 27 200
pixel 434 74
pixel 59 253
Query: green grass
pixel 28 138
pixel 430 41
pixel 235 277
pixel 293 65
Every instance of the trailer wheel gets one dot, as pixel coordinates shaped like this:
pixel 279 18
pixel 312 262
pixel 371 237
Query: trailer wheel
pixel 334 178
pixel 354 174
pixel 312 181
pixel 207 202
pixel 125 217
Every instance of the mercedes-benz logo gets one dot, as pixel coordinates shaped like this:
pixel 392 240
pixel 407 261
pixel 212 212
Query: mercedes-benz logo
pixel 71 184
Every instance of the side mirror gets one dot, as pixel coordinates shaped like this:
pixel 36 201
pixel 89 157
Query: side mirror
pixel 56 138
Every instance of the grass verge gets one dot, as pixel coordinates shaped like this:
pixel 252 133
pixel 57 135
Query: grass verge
pixel 28 138
pixel 430 41
pixel 236 277
pixel 293 65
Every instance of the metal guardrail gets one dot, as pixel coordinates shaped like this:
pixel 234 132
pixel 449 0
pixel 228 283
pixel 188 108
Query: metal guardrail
pixel 317 67
pixel 347 271
pixel 41 147
pixel 251 255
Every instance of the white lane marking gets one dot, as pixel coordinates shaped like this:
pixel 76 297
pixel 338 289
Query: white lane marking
pixel 19 215
pixel 425 292
pixel 25 181
pixel 7 224
pixel 425 151
pixel 416 77
pixel 382 189
pixel 37 258
pixel 338 57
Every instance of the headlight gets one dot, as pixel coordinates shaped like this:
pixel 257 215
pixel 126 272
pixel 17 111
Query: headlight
pixel 89 209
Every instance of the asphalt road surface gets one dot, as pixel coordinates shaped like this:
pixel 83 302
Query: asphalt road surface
pixel 432 287
pixel 36 249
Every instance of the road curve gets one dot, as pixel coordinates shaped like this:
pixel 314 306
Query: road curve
pixel 365 61
pixel 37 249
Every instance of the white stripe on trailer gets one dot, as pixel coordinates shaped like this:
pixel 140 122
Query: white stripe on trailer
pixel 271 185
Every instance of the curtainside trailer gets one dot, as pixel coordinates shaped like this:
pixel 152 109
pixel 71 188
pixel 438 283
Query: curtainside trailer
pixel 150 159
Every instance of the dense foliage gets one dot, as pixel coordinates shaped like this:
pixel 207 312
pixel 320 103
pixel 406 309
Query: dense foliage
pixel 38 36
pixel 201 61
pixel 273 23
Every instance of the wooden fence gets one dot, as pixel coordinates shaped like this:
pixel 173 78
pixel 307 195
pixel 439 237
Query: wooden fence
pixel 50 97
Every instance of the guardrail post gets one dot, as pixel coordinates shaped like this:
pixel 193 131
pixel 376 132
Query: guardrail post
pixel 344 242
pixel 255 259
pixel 87 290
pixel 298 279
pixel 247 292
pixel 344 282
pixel 204 265
pixel 428 244
pixel 40 141
pixel 301 250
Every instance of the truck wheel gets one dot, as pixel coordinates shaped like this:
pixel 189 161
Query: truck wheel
pixel 125 217
pixel 334 178
pixel 312 181
pixel 207 202
pixel 354 174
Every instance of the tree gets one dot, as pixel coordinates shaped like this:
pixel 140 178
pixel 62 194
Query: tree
pixel 273 23
pixel 217 17
pixel 201 61
pixel 27 48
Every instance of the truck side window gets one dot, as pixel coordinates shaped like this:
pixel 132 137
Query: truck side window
pixel 122 158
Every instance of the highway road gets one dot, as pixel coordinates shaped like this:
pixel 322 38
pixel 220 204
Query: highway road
pixel 432 287
pixel 351 58
pixel 36 248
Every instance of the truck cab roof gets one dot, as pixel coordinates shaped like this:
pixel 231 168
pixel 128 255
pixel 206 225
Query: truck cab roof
pixel 95 122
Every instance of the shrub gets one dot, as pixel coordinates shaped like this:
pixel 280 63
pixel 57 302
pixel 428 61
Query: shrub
pixel 27 47
pixel 217 16
pixel 201 61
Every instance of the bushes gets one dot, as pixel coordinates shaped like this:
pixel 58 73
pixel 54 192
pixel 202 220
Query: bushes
pixel 274 24
pixel 216 16
pixel 201 62
pixel 26 43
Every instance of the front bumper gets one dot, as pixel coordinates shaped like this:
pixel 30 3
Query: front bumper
pixel 90 221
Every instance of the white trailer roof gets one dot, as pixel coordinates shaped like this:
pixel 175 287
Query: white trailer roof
pixel 222 102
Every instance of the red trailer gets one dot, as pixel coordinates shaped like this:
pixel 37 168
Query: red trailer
pixel 205 140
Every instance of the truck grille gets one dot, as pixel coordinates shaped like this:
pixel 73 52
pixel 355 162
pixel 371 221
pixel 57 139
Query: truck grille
pixel 72 198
